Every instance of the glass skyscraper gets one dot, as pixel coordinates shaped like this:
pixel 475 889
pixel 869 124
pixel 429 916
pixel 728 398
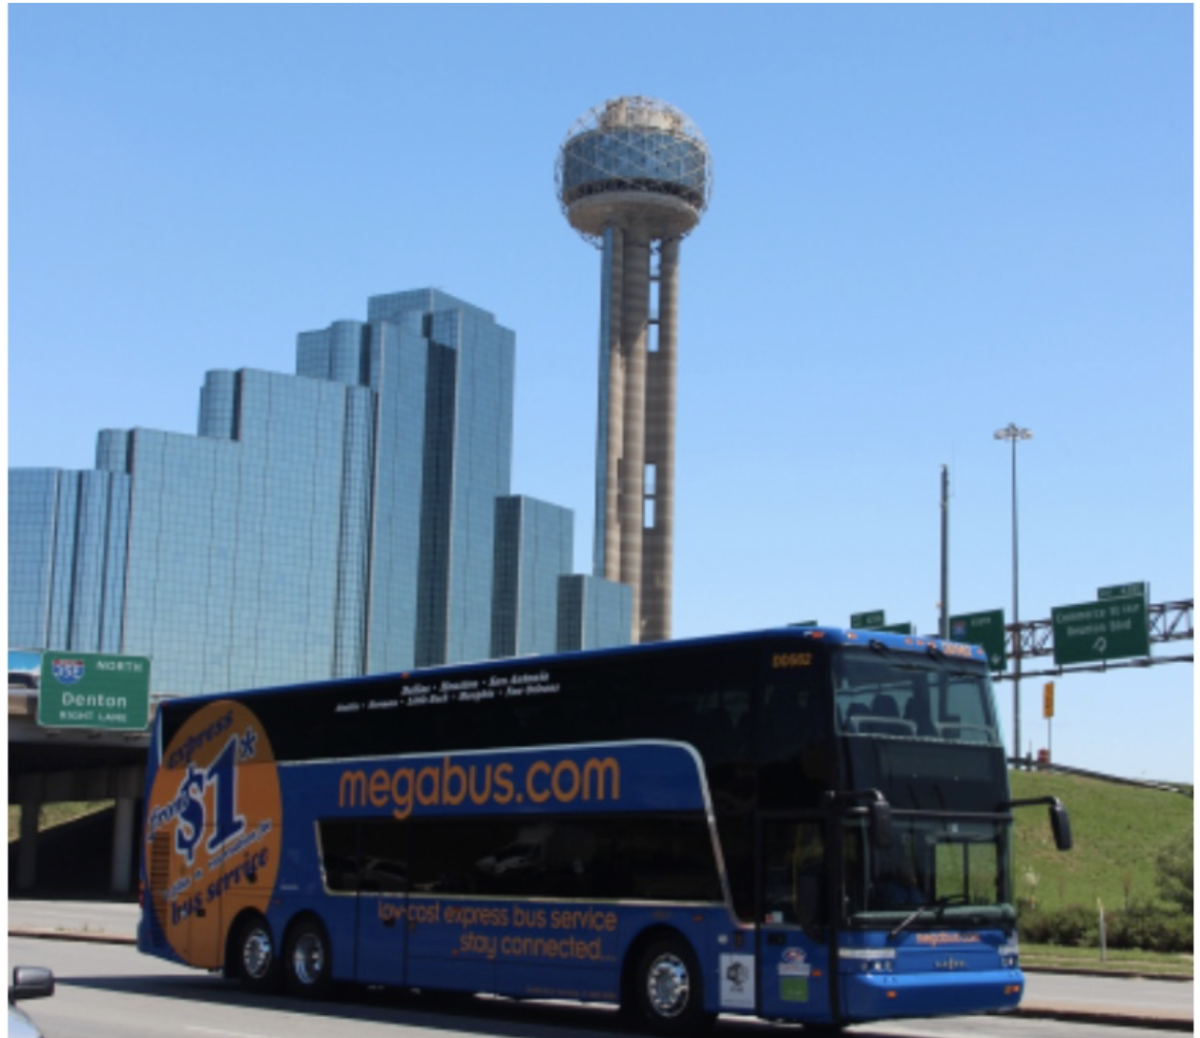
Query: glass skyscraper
pixel 534 546
pixel 335 522
pixel 590 609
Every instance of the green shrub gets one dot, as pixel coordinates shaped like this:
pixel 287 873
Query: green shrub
pixel 1142 925
pixel 1149 927
pixel 1174 873
pixel 1073 925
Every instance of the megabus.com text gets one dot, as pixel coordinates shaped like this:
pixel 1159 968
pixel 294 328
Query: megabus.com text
pixel 449 784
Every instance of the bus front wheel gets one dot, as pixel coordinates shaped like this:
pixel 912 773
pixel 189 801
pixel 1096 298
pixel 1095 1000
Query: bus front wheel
pixel 307 959
pixel 256 963
pixel 668 992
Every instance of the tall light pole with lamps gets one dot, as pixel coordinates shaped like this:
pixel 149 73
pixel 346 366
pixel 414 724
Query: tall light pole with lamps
pixel 1013 433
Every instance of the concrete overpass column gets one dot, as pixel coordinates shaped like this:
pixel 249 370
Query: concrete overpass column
pixel 122 845
pixel 30 793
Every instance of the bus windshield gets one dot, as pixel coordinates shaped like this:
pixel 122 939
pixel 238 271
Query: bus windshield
pixel 936 871
pixel 889 694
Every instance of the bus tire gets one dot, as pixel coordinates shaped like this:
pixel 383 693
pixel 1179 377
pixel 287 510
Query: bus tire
pixel 255 957
pixel 307 960
pixel 668 989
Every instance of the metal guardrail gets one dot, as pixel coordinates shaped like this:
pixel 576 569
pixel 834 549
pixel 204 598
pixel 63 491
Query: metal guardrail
pixel 1032 764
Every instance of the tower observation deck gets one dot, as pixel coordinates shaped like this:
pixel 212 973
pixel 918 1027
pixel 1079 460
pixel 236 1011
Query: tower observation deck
pixel 634 177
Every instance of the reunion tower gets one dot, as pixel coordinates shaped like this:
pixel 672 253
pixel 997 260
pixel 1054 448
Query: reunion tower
pixel 634 176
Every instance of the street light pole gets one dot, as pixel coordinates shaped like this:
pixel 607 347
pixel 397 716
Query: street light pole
pixel 944 608
pixel 1013 433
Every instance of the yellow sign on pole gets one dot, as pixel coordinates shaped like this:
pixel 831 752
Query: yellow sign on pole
pixel 1048 700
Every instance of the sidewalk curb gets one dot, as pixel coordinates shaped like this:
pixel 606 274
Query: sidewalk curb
pixel 88 936
pixel 1106 1019
pixel 1085 971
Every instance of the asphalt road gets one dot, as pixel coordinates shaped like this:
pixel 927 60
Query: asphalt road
pixel 102 978
pixel 110 991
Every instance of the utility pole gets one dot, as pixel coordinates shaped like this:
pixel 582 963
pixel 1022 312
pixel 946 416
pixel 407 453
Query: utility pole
pixel 944 618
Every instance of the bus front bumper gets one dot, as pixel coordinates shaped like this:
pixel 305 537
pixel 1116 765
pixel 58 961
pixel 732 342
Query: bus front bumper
pixel 878 996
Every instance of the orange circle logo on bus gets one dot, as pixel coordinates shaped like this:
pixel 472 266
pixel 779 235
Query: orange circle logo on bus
pixel 213 829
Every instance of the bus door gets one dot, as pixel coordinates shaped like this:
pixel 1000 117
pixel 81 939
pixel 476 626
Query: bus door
pixel 382 906
pixel 792 932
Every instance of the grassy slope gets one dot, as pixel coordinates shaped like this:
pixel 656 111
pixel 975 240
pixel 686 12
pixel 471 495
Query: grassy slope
pixel 54 815
pixel 1118 831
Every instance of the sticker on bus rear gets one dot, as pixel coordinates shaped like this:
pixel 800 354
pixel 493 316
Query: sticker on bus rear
pixel 213 829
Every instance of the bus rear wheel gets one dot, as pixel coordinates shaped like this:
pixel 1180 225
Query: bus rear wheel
pixel 306 962
pixel 256 963
pixel 668 990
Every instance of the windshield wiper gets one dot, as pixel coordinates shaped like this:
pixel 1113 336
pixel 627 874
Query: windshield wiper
pixel 938 906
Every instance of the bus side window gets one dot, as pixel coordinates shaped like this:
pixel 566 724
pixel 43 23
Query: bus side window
pixel 779 724
pixel 385 851
pixel 338 845
pixel 792 731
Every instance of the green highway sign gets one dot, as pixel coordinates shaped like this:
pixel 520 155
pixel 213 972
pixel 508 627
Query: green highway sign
pixel 1109 629
pixel 985 630
pixel 871 621
pixel 1125 591
pixel 877 621
pixel 91 690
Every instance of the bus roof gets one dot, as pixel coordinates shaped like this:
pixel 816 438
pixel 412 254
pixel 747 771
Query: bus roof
pixel 907 643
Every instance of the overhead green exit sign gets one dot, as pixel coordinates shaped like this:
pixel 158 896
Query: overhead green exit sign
pixel 1139 590
pixel 1108 629
pixel 986 630
pixel 92 690
pixel 871 621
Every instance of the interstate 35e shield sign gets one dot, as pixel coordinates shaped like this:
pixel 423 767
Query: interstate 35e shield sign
pixel 90 690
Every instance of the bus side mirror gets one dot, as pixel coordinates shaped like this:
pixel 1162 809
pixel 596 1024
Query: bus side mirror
pixel 879 823
pixel 879 813
pixel 1060 821
pixel 1060 825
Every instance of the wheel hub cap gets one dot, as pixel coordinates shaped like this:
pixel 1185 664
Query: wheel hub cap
pixel 309 960
pixel 668 986
pixel 256 953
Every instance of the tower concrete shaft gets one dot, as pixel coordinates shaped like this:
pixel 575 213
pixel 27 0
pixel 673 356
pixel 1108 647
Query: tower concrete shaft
pixel 636 518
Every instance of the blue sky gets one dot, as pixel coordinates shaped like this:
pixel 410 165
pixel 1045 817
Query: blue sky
pixel 927 222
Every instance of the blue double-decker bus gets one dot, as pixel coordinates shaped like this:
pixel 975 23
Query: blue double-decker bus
pixel 802 824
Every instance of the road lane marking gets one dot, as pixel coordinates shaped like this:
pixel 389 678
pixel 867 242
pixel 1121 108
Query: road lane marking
pixel 228 1034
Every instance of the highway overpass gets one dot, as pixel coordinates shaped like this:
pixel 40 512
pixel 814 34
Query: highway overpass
pixel 56 765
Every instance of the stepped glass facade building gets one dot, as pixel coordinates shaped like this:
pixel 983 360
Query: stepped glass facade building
pixel 353 518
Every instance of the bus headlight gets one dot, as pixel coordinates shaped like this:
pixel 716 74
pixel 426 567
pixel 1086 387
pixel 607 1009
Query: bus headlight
pixel 1009 954
pixel 871 960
